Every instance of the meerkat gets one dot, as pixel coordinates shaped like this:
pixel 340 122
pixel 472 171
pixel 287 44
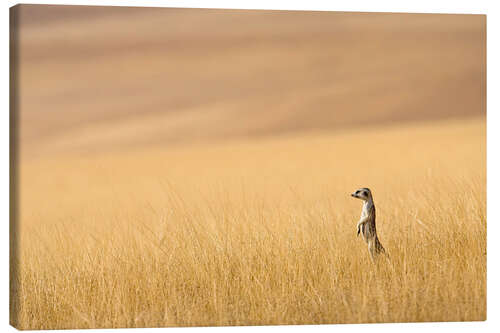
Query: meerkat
pixel 366 225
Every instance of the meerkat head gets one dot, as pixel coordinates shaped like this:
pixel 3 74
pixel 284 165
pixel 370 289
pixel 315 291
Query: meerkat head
pixel 363 194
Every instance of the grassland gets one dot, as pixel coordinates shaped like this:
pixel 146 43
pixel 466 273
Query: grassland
pixel 257 231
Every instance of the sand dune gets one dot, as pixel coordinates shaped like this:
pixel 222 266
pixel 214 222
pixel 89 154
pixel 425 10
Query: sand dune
pixel 94 78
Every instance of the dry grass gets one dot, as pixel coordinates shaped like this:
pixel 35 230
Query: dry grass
pixel 257 232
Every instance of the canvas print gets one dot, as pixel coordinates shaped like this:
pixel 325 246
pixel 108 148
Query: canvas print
pixel 214 167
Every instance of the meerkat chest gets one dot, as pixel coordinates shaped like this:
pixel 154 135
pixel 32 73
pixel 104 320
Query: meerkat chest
pixel 367 228
pixel 364 214
pixel 367 211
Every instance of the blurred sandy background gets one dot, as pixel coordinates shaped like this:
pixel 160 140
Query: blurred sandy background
pixel 93 79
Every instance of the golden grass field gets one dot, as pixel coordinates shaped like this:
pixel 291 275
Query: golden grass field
pixel 181 167
pixel 258 232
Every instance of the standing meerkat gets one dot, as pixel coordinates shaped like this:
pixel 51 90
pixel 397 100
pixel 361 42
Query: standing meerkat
pixel 366 224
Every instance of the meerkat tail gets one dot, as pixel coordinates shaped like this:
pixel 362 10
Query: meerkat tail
pixel 375 248
pixel 378 246
pixel 380 249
